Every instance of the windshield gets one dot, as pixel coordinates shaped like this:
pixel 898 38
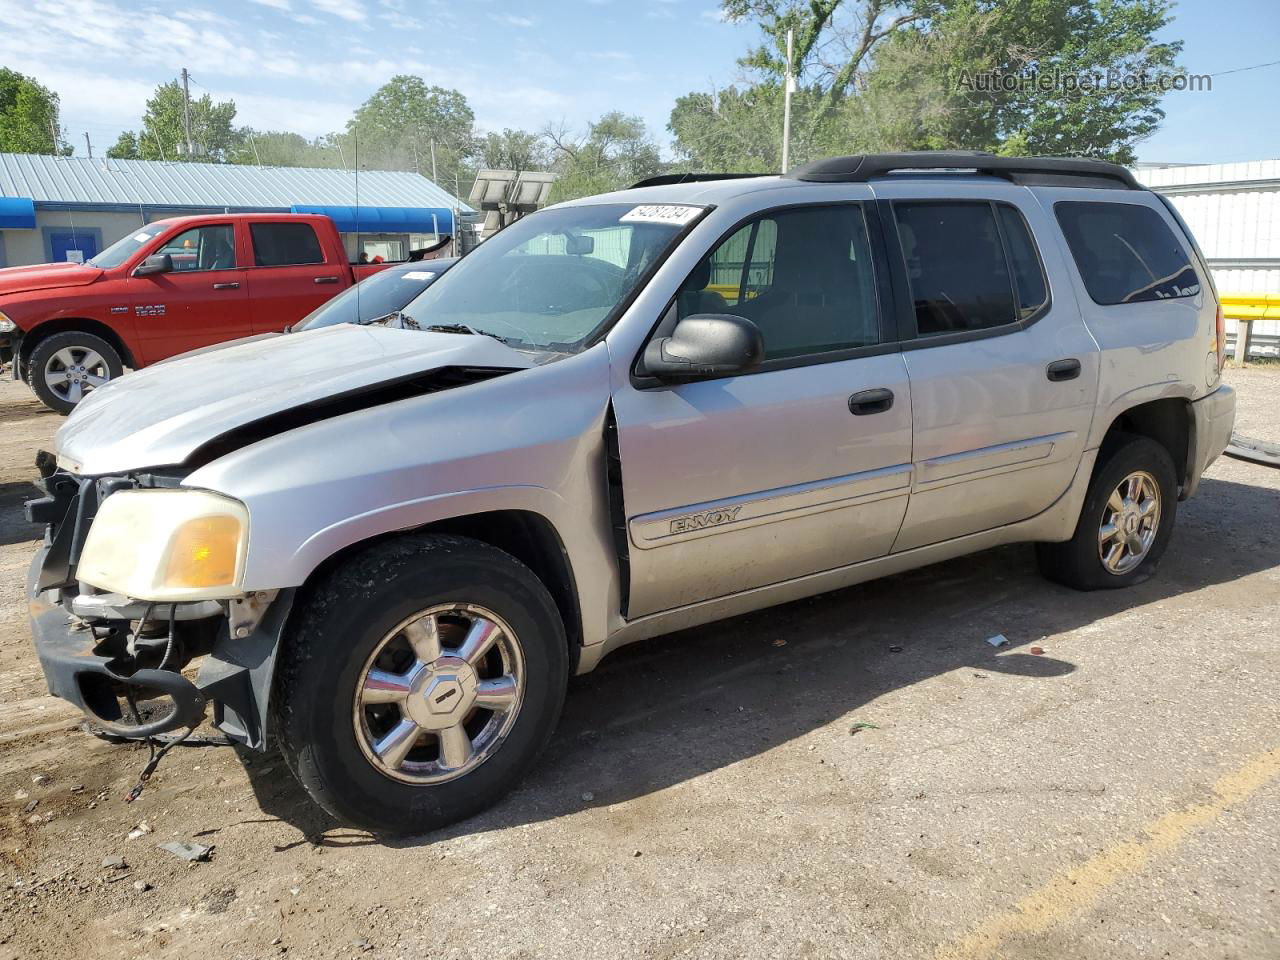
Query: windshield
pixel 126 247
pixel 376 296
pixel 552 279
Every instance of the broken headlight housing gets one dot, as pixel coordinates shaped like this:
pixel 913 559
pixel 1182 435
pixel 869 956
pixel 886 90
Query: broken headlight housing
pixel 167 546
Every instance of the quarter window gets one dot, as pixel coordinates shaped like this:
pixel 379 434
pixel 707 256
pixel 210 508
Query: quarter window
pixel 956 266
pixel 202 248
pixel 804 276
pixel 284 244
pixel 1126 253
pixel 1028 272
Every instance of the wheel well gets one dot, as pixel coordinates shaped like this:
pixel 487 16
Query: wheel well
pixel 1168 422
pixel 78 324
pixel 529 537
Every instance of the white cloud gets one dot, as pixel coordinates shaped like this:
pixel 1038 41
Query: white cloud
pixel 275 4
pixel 611 55
pixel 350 10
pixel 512 20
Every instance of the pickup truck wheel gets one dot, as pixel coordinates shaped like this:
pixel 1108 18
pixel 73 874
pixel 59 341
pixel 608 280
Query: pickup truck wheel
pixel 65 366
pixel 1125 523
pixel 419 681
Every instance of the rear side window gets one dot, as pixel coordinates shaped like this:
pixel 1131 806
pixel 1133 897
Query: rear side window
pixel 1126 253
pixel 284 244
pixel 959 275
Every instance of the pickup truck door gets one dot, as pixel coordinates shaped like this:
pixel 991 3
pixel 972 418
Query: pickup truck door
pixel 800 466
pixel 1004 374
pixel 290 274
pixel 200 302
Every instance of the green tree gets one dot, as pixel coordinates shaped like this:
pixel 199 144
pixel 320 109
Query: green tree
pixel 616 151
pixel 281 148
pixel 28 116
pixel 395 129
pixel 514 150
pixel 163 134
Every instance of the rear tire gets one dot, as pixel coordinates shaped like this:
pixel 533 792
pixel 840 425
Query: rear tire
pixel 362 709
pixel 64 367
pixel 1125 523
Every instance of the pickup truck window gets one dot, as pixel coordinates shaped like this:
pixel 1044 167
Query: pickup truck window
pixel 203 248
pixel 126 247
pixel 1126 253
pixel 553 278
pixel 956 266
pixel 285 244
pixel 803 276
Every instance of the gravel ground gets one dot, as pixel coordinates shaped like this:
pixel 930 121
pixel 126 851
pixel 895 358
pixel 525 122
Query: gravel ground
pixel 709 793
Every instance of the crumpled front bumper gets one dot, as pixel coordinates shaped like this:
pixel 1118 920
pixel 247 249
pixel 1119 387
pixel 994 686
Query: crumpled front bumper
pixel 77 674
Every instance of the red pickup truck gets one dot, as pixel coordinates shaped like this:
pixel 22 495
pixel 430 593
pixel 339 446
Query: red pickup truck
pixel 171 286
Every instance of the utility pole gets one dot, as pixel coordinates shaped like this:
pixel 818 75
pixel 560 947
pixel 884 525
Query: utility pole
pixel 186 112
pixel 88 144
pixel 786 107
pixel 434 178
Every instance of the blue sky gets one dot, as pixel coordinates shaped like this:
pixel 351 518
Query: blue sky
pixel 305 64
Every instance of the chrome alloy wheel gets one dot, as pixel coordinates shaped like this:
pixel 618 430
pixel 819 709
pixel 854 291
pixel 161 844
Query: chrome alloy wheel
pixel 439 694
pixel 74 371
pixel 1130 522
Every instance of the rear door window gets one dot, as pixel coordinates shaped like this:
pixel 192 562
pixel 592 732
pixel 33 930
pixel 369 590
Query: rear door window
pixel 285 244
pixel 1126 253
pixel 959 275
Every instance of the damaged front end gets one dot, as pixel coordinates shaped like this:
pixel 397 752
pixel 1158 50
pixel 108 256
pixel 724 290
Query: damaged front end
pixel 141 668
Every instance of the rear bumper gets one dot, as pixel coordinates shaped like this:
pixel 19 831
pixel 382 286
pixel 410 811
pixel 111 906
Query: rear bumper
pixel 1215 416
pixel 92 682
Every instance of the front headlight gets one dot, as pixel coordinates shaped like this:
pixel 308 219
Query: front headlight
pixel 166 545
pixel 7 325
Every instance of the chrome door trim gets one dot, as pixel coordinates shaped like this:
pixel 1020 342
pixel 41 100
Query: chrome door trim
pixel 1000 457
pixel 767 506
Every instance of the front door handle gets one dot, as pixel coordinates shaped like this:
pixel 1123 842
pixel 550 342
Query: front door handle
pixel 326 280
pixel 871 401
pixel 1067 369
pixel 226 286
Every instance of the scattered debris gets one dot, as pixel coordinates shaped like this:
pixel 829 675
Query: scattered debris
pixel 863 725
pixel 192 852
pixel 999 640
pixel 588 797
pixel 40 779
pixel 113 863
pixel 77 788
pixel 980 676
pixel 141 830
pixel 779 642
pixel 364 946
pixel 895 649
pixel 31 806
pixel 141 886
pixel 637 853
pixel 1038 651
pixel 21 795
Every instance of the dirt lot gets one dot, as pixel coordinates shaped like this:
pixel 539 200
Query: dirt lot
pixel 1117 796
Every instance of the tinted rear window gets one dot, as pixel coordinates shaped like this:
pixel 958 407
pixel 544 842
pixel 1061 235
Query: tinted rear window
pixel 1126 253
pixel 284 244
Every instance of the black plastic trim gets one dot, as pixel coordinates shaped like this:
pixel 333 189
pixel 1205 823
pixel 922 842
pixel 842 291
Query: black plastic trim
pixel 668 179
pixel 860 168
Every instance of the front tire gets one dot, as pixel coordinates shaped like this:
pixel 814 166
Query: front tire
pixel 62 368
pixel 419 681
pixel 1125 523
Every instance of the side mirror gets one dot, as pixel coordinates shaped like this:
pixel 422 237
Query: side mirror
pixel 156 263
pixel 705 345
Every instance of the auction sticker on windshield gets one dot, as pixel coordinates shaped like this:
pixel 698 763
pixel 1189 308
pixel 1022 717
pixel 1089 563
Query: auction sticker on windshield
pixel 676 214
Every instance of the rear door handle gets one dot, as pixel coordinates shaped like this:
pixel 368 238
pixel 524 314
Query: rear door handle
pixel 1067 369
pixel 226 286
pixel 871 401
pixel 326 280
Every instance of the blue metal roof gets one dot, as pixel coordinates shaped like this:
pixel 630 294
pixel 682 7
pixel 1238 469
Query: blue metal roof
pixel 154 183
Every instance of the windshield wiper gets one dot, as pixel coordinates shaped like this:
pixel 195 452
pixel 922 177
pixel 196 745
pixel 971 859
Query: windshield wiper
pixel 454 328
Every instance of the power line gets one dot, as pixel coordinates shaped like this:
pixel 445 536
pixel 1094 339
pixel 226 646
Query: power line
pixel 1256 66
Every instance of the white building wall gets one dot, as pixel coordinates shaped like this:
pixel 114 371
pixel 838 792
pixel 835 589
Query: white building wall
pixel 22 247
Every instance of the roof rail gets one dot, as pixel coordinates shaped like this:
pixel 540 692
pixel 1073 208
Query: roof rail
pixel 666 179
pixel 1044 171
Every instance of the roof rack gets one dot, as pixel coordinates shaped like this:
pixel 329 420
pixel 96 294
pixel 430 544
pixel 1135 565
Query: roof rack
pixel 1042 171
pixel 666 179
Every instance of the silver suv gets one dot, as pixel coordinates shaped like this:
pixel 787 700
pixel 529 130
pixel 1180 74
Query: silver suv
pixel 389 548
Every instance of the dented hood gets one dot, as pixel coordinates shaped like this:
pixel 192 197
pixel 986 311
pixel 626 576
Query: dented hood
pixel 160 415
pixel 46 276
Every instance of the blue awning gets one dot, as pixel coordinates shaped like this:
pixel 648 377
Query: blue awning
pixel 17 213
pixel 385 219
